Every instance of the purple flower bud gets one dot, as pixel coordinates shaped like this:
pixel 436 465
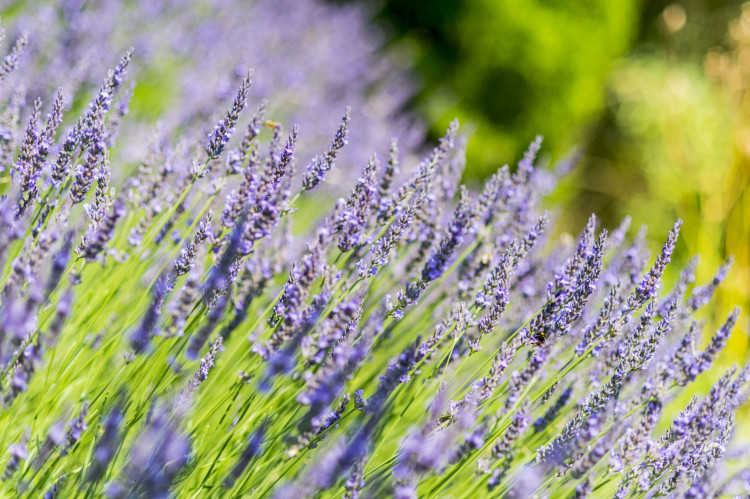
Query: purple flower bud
pixel 649 284
pixel 75 429
pixel 351 222
pixel 321 165
pixel 224 129
pixel 140 338
pixel 54 491
pixel 107 445
pixel 157 455
pixel 252 448
pixel 18 452
pixel 10 62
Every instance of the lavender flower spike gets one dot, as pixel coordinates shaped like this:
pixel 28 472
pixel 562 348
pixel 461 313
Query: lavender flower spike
pixel 320 166
pixel 75 429
pixel 224 129
pixel 439 259
pixel 251 449
pixel 207 363
pixel 27 169
pixel 98 239
pixel 18 452
pixel 649 284
pixel 11 60
pixel 390 171
pixel 436 265
pixel 351 223
pixel 56 488
pixel 84 173
pixel 717 343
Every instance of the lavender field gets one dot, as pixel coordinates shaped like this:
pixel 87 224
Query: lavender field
pixel 225 280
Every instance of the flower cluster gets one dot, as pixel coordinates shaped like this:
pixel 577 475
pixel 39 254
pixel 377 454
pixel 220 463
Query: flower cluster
pixel 408 336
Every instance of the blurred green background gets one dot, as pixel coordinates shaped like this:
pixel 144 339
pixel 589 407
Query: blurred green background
pixel 654 94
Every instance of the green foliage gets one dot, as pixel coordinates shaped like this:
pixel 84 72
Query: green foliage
pixel 667 149
pixel 515 68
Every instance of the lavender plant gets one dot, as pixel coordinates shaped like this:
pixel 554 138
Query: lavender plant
pixel 317 59
pixel 413 338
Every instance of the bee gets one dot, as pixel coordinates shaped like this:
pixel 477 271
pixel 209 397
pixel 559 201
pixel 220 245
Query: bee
pixel 486 258
pixel 538 337
pixel 271 124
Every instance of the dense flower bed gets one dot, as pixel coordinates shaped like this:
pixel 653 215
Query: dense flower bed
pixel 216 325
